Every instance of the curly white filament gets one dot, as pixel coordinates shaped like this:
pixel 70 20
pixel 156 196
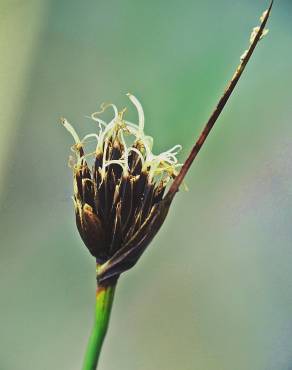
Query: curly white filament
pixel 163 164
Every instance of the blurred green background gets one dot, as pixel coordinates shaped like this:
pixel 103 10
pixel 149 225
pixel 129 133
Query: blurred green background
pixel 214 289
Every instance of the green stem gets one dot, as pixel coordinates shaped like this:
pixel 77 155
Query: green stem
pixel 104 299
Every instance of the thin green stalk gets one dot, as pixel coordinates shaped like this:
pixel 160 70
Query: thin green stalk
pixel 104 299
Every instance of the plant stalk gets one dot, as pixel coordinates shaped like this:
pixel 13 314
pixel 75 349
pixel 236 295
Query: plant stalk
pixel 104 300
pixel 219 107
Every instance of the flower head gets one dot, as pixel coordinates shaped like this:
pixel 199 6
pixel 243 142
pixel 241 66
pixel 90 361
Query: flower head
pixel 119 188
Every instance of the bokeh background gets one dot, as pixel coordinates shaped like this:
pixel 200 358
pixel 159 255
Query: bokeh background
pixel 214 289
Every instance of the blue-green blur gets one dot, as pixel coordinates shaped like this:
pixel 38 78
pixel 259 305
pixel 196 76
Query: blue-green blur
pixel 214 289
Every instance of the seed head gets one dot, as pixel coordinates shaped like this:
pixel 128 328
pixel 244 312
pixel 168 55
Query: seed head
pixel 119 188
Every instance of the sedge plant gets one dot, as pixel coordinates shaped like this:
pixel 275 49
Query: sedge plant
pixel 123 192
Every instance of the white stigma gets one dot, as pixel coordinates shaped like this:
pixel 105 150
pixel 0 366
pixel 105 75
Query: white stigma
pixel 139 108
pixel 71 129
pixel 132 140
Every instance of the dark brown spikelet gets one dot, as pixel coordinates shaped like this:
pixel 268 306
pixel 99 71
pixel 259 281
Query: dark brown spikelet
pixel 117 213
